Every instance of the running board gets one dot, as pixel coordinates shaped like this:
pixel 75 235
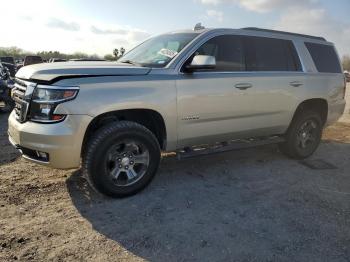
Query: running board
pixel 227 146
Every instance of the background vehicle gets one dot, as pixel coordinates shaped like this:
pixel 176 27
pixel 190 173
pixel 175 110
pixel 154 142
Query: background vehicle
pixel 32 59
pixel 86 59
pixel 6 102
pixel 53 60
pixel 9 62
pixel 11 67
pixel 194 92
pixel 7 59
pixel 19 63
pixel 347 76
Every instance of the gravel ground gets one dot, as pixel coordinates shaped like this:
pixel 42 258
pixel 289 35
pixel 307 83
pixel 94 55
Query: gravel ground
pixel 246 205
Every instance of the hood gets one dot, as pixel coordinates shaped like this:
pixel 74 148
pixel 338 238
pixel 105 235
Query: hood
pixel 50 71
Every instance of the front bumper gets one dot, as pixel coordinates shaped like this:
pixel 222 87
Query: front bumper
pixel 61 141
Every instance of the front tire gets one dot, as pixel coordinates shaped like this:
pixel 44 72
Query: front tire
pixel 121 159
pixel 303 136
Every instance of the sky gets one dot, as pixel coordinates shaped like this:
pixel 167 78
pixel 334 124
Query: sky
pixel 99 26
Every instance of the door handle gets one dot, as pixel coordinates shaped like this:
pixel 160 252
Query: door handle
pixel 296 83
pixel 243 86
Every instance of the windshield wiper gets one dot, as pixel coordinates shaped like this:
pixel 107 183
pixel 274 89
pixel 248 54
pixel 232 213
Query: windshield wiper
pixel 130 62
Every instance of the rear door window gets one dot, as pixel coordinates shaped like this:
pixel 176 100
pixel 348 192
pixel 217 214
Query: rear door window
pixel 325 58
pixel 270 54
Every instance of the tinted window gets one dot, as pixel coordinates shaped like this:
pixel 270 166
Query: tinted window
pixel 228 51
pixel 325 58
pixel 269 54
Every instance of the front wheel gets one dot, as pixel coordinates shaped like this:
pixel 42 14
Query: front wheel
pixel 303 136
pixel 121 159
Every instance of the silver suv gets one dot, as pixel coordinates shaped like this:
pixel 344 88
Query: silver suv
pixel 194 92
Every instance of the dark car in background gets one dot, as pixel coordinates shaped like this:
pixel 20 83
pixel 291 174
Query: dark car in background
pixel 11 67
pixel 55 60
pixel 7 59
pixel 6 102
pixel 87 60
pixel 32 59
pixel 10 64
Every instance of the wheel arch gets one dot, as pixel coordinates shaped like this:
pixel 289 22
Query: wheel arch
pixel 151 119
pixel 319 105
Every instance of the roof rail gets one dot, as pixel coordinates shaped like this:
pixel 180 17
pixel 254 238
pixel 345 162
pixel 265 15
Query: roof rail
pixel 283 33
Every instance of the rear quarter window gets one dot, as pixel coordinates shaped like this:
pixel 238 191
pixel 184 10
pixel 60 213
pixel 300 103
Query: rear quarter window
pixel 325 58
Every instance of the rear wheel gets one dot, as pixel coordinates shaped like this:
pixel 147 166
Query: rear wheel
pixel 303 136
pixel 121 159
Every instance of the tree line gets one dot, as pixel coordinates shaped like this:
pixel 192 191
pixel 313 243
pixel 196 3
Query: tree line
pixel 19 53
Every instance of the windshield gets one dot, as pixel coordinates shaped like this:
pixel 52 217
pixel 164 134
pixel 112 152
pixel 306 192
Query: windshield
pixel 158 51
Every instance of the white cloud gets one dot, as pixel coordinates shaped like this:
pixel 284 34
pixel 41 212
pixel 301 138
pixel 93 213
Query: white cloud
pixel 262 6
pixel 58 23
pixel 138 36
pixel 316 22
pixel 211 2
pixel 108 31
pixel 218 15
pixel 300 16
pixel 45 30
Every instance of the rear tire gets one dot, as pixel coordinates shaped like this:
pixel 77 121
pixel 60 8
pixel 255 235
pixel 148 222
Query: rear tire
pixel 121 159
pixel 303 136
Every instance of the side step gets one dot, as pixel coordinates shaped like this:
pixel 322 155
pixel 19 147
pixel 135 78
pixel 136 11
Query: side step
pixel 227 146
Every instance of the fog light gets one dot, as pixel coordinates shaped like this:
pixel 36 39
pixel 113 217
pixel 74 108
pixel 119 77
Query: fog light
pixel 42 155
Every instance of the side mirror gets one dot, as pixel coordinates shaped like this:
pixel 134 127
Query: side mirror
pixel 201 62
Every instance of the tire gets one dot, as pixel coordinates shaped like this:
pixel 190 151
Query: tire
pixel 121 159
pixel 297 144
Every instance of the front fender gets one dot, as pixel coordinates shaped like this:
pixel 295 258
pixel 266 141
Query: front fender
pixel 108 94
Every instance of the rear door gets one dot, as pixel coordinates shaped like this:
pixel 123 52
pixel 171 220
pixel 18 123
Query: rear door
pixel 275 73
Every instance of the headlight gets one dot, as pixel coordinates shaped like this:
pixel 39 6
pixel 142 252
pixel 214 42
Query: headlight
pixel 45 100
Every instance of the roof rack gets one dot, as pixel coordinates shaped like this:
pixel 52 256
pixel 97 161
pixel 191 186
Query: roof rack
pixel 283 33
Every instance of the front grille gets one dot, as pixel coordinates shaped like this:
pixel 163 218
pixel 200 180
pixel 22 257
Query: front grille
pixel 21 94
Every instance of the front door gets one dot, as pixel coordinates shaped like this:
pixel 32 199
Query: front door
pixel 209 102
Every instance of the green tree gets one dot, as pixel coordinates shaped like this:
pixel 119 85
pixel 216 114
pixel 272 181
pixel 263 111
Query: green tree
pixel 19 53
pixel 109 57
pixel 122 51
pixel 116 52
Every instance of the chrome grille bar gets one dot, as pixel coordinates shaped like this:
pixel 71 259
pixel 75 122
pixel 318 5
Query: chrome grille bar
pixel 21 94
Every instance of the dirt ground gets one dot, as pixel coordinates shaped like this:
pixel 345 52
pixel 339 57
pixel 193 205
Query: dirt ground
pixel 246 205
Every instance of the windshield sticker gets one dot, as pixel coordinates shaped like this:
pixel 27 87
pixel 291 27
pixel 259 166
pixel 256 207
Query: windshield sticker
pixel 161 62
pixel 167 52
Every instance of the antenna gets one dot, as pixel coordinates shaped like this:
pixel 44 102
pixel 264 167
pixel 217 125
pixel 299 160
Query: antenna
pixel 198 27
